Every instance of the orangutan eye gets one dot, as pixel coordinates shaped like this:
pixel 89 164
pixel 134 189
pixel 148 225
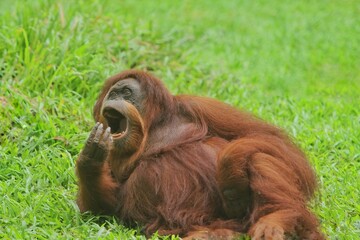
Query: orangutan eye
pixel 126 91
pixel 112 95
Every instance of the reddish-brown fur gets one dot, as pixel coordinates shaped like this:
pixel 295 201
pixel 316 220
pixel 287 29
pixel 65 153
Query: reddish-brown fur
pixel 201 169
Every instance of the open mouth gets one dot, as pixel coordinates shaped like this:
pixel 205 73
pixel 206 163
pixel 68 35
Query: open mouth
pixel 116 121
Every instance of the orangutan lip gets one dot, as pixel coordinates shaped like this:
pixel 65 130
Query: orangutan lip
pixel 116 121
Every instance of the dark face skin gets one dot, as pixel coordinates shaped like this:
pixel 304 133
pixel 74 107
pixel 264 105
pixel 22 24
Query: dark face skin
pixel 122 99
pixel 128 90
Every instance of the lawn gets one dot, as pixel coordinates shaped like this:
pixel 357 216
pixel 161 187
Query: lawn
pixel 293 63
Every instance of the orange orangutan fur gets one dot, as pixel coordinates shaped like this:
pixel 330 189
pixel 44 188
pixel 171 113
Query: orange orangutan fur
pixel 199 168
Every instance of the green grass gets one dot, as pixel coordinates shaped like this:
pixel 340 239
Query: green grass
pixel 293 63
